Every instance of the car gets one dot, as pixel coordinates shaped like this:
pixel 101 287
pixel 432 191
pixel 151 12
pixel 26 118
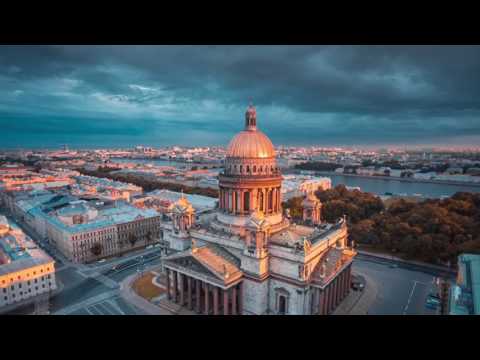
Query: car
pixel 393 266
pixel 431 306
pixel 101 261
pixel 432 300
pixel 358 286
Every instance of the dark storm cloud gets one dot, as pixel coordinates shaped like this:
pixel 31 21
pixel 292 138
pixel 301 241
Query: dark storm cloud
pixel 332 94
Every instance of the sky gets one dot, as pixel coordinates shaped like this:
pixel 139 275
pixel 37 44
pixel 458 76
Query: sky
pixel 122 96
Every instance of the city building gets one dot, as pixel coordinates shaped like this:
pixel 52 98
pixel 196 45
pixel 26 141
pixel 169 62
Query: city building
pixel 465 294
pixel 302 185
pixel 247 257
pixel 108 189
pixel 26 272
pixel 164 201
pixel 84 231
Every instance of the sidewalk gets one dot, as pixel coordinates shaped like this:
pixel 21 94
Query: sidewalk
pixel 358 302
pixel 129 295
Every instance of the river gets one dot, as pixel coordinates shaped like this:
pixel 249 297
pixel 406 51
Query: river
pixel 397 187
pixel 377 186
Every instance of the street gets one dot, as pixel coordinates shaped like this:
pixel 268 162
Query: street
pixel 401 290
pixel 94 288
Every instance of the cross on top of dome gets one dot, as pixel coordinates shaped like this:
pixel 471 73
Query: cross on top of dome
pixel 251 118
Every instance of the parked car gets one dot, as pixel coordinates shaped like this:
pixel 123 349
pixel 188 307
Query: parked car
pixel 358 286
pixel 433 300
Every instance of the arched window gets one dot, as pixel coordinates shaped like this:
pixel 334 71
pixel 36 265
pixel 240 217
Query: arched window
pixel 254 168
pixel 261 169
pixel 235 167
pixel 248 169
pixel 241 169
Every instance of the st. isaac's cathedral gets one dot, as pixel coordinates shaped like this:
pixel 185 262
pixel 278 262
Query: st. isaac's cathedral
pixel 248 257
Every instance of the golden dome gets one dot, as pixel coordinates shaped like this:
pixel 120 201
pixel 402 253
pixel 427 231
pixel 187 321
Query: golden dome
pixel 251 144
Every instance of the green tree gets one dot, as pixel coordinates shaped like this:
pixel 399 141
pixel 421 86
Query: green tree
pixel 132 239
pixel 96 249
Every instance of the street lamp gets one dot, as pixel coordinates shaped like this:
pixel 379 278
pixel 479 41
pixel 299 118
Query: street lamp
pixel 141 265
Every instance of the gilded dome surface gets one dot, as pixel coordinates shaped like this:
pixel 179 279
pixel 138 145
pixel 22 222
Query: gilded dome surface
pixel 251 144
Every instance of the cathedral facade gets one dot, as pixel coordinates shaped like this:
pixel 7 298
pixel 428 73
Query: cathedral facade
pixel 249 257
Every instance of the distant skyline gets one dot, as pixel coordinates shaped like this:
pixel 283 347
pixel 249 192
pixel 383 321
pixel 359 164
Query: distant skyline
pixel 122 96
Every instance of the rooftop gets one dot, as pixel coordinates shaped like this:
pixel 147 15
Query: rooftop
pixel 465 296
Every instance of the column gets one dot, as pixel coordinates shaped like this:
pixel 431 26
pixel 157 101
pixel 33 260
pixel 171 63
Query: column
pixel 342 286
pixel 189 293
pixel 240 298
pixel 220 198
pixel 349 276
pixel 197 295
pixel 242 205
pixel 252 200
pixel 266 201
pixel 347 285
pixel 174 286
pixel 326 305
pixel 234 300
pixel 215 300
pixel 340 289
pixel 279 199
pixel 275 199
pixel 321 300
pixel 330 297
pixel 169 295
pixel 207 298
pixel 234 201
pixel 225 302
pixel 181 285
pixel 335 293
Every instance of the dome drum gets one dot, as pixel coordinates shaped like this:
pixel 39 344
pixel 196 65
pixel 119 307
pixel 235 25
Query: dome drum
pixel 251 180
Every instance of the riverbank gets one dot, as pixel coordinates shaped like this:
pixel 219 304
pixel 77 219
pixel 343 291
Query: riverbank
pixel 409 180
pixel 395 258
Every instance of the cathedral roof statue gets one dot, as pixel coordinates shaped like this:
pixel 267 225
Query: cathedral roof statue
pixel 182 205
pixel 310 200
pixel 257 220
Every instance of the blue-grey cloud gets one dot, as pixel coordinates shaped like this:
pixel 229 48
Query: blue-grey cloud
pixel 160 95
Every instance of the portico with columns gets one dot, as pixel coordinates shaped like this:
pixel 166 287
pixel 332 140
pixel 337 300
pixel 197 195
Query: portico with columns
pixel 202 295
pixel 205 280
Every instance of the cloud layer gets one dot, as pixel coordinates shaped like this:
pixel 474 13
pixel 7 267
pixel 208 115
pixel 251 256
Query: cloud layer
pixel 197 95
